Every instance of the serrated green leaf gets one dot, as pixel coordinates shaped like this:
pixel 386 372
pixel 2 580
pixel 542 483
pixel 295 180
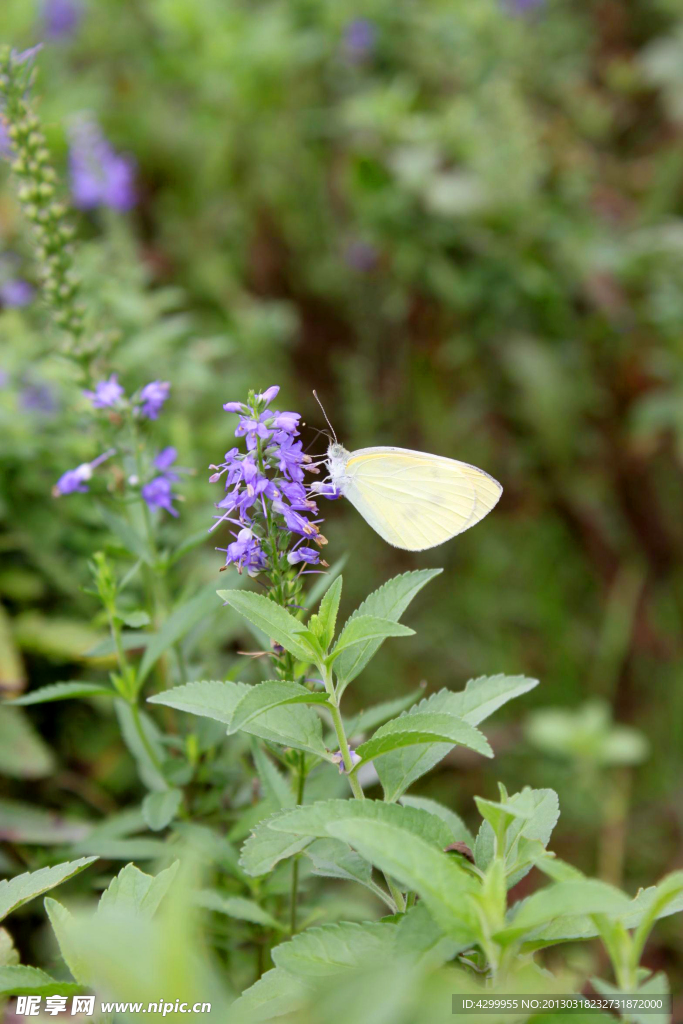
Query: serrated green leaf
pixel 64 691
pixel 275 994
pixel 333 948
pixel 18 980
pixel 362 629
pixel 136 892
pixel 458 829
pixel 418 937
pixel 14 892
pixel 269 617
pixel 238 907
pixel 379 713
pixel 176 626
pixel 417 865
pixel 159 809
pixel 564 899
pixel 327 613
pixel 210 698
pixel 484 695
pixel 62 925
pixel 267 696
pixel 411 730
pixel 388 602
pixel 275 785
pixel 334 859
pixel 538 826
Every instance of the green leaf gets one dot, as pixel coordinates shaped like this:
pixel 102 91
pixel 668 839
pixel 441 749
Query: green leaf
pixel 333 948
pixel 410 730
pixel 266 847
pixel 482 696
pixel 366 628
pixel 333 859
pixel 274 783
pixel 134 891
pixel 210 698
pixel 124 849
pixel 327 613
pixel 374 716
pixel 389 602
pixel 159 809
pixel 458 829
pixel 564 899
pixel 238 907
pixel 500 815
pixel 64 691
pixel 288 832
pixel 30 981
pixel 267 696
pixel 14 892
pixel 179 622
pixel 269 617
pixel 24 823
pixel 23 752
pixel 420 938
pixel 136 620
pixel 129 537
pixel 444 886
pixel 539 826
pixel 62 925
pixel 275 994
pixel 663 899
pixel 147 769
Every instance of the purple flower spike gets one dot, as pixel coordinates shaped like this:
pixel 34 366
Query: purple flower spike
pixel 153 397
pixel 61 18
pixel 16 293
pixel 107 393
pixel 5 141
pixel 265 497
pixel 99 175
pixel 158 494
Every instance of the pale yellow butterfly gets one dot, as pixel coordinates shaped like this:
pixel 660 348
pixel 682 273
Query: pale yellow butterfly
pixel 413 500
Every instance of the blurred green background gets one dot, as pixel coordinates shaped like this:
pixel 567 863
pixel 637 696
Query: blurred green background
pixel 462 223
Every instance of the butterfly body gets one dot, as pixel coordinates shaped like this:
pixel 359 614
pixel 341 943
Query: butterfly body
pixel 413 500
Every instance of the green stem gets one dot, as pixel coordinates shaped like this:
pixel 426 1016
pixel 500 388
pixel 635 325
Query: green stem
pixel 356 787
pixel 295 865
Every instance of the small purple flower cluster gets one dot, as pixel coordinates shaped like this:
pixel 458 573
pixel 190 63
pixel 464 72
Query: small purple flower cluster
pixel 109 394
pixel 99 175
pixel 61 18
pixel 266 499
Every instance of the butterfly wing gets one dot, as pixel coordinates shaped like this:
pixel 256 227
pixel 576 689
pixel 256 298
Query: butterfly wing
pixel 414 500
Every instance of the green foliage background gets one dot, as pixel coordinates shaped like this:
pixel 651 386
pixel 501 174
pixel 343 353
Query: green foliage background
pixel 470 243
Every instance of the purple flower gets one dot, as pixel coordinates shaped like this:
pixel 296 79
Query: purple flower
pixel 38 398
pixel 159 494
pixel 76 479
pixel 309 555
pixel 165 460
pixel 265 498
pixel 360 37
pixel 61 17
pixel 106 394
pixel 339 759
pixel 16 293
pixel 99 175
pixel 153 397
pixel 326 491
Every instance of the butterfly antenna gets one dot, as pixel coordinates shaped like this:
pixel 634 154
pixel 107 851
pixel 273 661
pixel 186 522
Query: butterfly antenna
pixel 315 395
